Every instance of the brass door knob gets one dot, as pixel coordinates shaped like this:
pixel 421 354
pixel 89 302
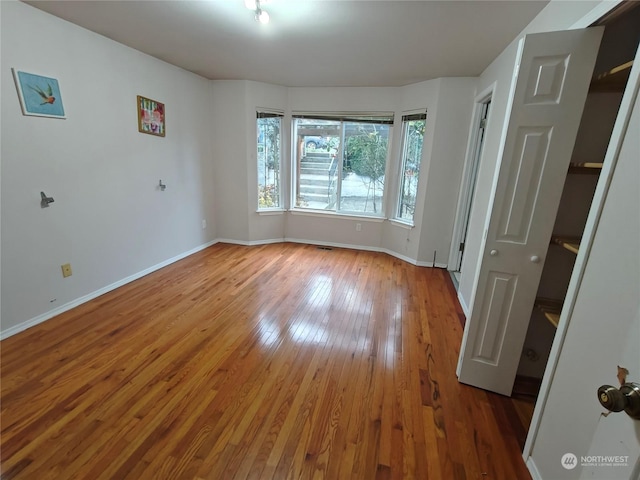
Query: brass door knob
pixel 626 398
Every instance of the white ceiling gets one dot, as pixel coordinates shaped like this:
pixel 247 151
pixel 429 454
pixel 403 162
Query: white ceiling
pixel 311 42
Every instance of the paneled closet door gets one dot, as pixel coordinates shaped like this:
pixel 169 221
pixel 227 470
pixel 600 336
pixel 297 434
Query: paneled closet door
pixel 550 84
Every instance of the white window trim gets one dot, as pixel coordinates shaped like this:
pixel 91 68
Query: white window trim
pixel 328 214
pixel 281 114
pixel 402 224
pixel 293 165
pixel 271 211
pixel 395 219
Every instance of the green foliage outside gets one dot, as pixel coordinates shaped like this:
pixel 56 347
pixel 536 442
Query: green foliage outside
pixel 267 196
pixel 366 156
pixel 269 193
pixel 414 136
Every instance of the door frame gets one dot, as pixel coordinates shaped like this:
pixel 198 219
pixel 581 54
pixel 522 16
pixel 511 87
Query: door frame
pixel 597 205
pixel 465 203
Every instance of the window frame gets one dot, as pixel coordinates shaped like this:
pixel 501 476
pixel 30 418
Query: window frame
pixel 378 118
pixel 406 119
pixel 261 114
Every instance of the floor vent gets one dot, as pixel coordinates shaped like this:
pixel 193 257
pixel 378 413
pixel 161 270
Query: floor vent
pixel 324 248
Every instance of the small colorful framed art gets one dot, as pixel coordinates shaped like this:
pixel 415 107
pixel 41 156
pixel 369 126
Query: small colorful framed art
pixel 151 117
pixel 39 96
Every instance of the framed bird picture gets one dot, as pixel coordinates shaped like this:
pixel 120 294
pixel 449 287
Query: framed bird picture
pixel 150 117
pixel 39 96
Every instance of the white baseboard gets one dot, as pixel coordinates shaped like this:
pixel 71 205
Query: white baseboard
pixel 432 265
pixel 533 469
pixel 79 301
pixel 410 260
pixel 250 243
pixel 332 244
pixel 101 291
pixel 306 241
pixel 463 304
pixel 361 247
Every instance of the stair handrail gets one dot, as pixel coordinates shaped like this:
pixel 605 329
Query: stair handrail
pixel 332 171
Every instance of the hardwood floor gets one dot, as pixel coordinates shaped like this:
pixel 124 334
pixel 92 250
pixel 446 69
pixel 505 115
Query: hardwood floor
pixel 275 361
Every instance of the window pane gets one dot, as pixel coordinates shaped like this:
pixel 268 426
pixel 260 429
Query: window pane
pixel 363 169
pixel 413 135
pixel 269 162
pixel 340 164
pixel 317 143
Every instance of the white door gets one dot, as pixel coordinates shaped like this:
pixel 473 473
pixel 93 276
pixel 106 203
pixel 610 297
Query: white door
pixel 614 452
pixel 603 331
pixel 551 80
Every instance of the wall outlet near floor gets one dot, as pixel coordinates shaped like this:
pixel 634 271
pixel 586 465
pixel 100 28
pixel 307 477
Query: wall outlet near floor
pixel 358 227
pixel 66 270
pixel 204 224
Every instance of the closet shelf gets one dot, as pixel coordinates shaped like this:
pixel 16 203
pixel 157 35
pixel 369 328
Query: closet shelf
pixel 569 243
pixel 612 81
pixel 588 168
pixel 550 308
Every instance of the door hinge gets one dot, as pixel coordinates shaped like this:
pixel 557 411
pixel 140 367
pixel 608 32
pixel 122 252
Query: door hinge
pixel 483 123
pixel 461 247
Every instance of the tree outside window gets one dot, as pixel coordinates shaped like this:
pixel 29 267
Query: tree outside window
pixel 341 161
pixel 269 127
pixel 366 157
pixel 413 128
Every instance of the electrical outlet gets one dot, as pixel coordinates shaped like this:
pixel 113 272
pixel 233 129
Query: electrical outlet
pixel 204 224
pixel 66 270
pixel 358 227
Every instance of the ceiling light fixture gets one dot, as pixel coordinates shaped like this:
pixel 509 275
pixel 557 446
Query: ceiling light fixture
pixel 260 15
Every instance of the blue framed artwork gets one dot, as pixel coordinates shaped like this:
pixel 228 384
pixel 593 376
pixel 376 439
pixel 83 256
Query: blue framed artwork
pixel 39 96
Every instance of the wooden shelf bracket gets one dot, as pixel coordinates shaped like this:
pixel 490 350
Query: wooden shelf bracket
pixel 551 309
pixel 586 168
pixel 569 243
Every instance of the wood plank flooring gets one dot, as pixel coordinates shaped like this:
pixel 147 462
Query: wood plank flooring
pixel 275 361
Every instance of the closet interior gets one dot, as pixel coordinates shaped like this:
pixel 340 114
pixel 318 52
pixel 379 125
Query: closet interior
pixel 613 65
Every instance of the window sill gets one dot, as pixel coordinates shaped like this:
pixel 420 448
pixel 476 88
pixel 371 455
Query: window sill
pixel 401 224
pixel 278 211
pixel 346 216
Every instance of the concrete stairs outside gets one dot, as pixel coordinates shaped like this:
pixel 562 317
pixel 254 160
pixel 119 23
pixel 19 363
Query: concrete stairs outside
pixel 314 176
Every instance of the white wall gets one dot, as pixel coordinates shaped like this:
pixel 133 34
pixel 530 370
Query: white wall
pixel 444 168
pixel 109 219
pixel 234 149
pixel 397 238
pixel 229 132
